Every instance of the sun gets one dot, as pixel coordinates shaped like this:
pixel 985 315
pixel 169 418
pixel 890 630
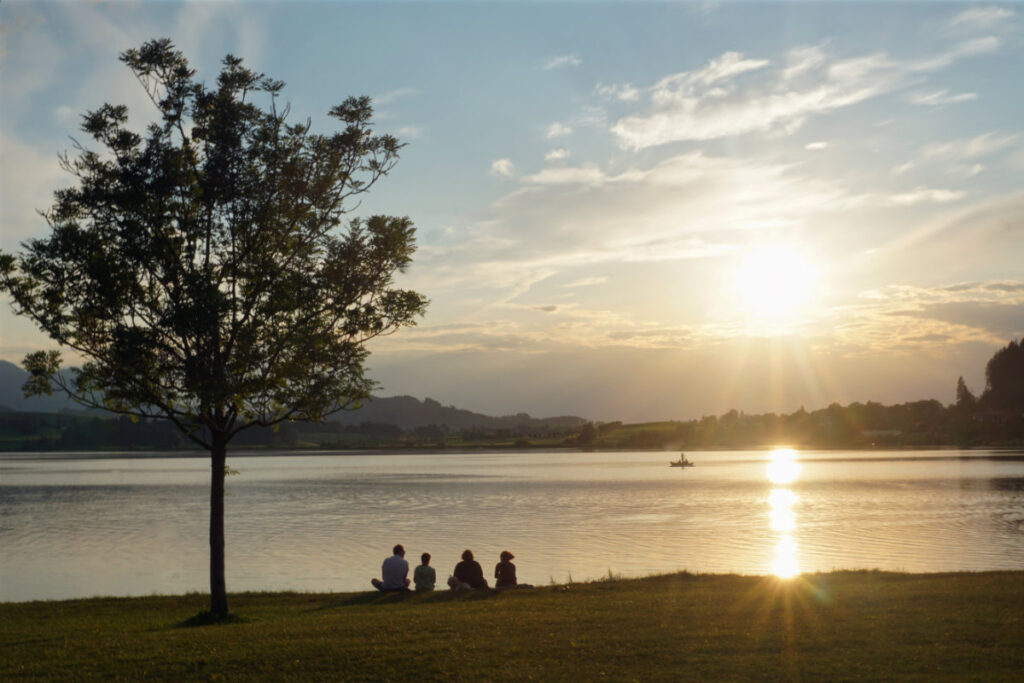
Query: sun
pixel 775 281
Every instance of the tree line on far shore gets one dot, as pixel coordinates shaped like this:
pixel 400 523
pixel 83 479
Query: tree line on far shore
pixel 995 417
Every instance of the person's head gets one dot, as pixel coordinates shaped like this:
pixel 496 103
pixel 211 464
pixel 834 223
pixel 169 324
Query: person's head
pixel 467 555
pixel 506 556
pixel 425 558
pixel 399 550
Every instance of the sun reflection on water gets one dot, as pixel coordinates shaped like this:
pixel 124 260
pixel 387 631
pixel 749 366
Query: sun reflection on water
pixel 782 501
pixel 783 469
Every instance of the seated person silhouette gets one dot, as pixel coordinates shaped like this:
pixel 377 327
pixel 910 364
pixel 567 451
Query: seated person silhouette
pixel 468 574
pixel 505 571
pixel 394 572
pixel 424 576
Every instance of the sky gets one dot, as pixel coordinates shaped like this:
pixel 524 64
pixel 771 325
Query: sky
pixel 625 210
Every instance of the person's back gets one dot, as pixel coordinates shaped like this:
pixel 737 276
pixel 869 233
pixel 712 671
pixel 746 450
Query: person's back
pixel 470 572
pixel 505 571
pixel 424 575
pixel 394 572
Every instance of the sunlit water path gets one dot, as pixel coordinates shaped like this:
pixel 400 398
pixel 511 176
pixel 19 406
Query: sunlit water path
pixel 81 525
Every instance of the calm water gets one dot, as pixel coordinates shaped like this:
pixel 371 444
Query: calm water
pixel 74 525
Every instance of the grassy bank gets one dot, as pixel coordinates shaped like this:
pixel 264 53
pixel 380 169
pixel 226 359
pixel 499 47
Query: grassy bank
pixel 837 626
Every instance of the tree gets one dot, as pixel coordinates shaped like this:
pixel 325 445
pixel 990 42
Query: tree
pixel 206 271
pixel 1004 378
pixel 965 400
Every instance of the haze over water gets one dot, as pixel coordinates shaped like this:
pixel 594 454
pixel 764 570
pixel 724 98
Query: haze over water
pixel 81 525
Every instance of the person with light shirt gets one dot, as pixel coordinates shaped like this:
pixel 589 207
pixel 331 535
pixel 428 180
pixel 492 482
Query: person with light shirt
pixel 424 577
pixel 394 572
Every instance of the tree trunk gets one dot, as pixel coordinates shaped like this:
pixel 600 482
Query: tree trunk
pixel 218 587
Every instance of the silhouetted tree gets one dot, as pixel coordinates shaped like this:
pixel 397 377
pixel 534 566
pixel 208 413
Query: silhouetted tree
pixel 966 402
pixel 1004 378
pixel 203 270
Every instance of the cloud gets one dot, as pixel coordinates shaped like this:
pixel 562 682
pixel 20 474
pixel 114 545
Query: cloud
pixel 803 60
pixel 690 206
pixel 941 97
pixel 816 145
pixel 587 282
pixel 923 195
pixel 981 17
pixel 557 130
pixel 963 150
pixel 560 154
pixel 968 48
pixel 623 92
pixel 984 145
pixel 392 96
pixel 567 175
pixel 503 168
pixel 550 308
pixel 717 100
pixel 563 62
pixel 409 132
pixel 1004 320
pixel 905 318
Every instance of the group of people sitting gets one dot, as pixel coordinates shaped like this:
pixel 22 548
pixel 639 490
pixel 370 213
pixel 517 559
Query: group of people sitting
pixel 468 574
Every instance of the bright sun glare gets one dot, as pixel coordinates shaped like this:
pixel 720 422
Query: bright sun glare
pixel 775 281
pixel 783 467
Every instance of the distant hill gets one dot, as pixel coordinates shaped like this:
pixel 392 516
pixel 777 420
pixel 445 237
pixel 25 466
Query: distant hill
pixel 403 411
pixel 408 412
pixel 12 377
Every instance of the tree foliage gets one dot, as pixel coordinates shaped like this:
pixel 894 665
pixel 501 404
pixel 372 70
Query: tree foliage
pixel 199 268
pixel 965 401
pixel 1004 379
pixel 206 269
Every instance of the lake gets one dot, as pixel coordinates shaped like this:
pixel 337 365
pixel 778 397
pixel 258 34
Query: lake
pixel 86 524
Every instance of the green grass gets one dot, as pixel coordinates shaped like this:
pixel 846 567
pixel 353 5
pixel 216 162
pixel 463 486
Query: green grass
pixel 821 627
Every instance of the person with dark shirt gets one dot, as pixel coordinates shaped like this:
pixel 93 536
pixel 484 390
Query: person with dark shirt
pixel 469 573
pixel 505 571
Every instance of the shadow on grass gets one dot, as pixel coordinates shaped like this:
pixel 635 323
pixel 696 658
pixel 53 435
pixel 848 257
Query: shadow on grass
pixel 208 618
pixel 428 597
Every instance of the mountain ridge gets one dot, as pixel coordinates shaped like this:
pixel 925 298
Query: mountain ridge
pixel 403 411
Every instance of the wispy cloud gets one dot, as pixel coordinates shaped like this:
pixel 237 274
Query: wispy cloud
pixel 562 62
pixel 557 130
pixel 981 17
pixel 567 175
pixel 586 282
pixel 394 95
pixel 922 195
pixel 624 92
pixel 560 154
pixel 957 153
pixel 720 100
pixel 685 207
pixel 816 145
pixel 980 146
pixel 940 97
pixel 409 132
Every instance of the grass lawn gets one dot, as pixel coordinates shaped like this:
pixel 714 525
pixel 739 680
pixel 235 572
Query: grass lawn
pixel 819 627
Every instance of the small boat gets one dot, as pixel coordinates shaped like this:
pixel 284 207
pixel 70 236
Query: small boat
pixel 681 462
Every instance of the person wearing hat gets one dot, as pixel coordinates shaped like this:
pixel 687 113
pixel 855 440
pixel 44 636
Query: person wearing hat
pixel 505 571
